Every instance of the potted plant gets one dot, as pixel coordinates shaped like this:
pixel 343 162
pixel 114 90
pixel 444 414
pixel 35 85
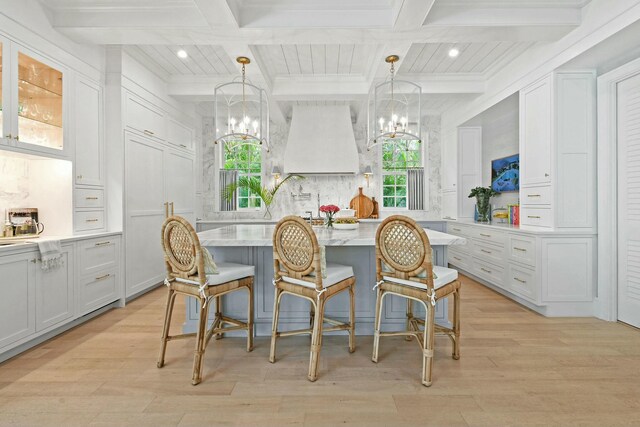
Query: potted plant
pixel 254 186
pixel 483 196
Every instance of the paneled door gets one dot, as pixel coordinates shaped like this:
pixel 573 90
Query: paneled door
pixel 628 126
pixel 145 165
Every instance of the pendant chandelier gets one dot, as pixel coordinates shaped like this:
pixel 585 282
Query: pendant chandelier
pixel 394 110
pixel 241 111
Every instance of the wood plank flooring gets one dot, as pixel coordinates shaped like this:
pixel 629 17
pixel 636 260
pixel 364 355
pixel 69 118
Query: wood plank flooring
pixel 516 368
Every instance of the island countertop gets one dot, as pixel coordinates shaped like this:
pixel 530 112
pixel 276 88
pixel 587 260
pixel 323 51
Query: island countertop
pixel 262 234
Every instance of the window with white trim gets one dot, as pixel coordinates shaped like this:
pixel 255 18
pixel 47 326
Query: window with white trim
pixel 398 156
pixel 247 160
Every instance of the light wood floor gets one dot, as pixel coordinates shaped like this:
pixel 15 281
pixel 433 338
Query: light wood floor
pixel 516 368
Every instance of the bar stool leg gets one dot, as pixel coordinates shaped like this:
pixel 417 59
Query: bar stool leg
pixel 274 325
pixel 409 318
pixel 200 342
pixel 352 318
pixel 167 324
pixel 316 340
pixel 250 317
pixel 219 314
pixel 456 324
pixel 376 325
pixel 427 351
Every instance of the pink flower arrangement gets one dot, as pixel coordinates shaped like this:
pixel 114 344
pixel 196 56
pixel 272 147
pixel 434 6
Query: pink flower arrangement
pixel 330 209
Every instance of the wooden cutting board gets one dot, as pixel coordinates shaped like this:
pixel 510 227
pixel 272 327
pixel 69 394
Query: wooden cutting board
pixel 362 204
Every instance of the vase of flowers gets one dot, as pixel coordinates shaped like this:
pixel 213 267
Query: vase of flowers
pixel 483 196
pixel 329 211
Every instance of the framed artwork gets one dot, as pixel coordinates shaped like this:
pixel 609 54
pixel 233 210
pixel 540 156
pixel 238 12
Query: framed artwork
pixel 505 174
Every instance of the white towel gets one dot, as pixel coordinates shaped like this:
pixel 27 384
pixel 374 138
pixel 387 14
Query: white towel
pixel 50 254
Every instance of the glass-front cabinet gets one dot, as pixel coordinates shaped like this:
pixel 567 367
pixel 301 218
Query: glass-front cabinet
pixel 33 112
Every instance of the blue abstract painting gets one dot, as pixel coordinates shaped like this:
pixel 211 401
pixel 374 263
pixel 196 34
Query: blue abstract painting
pixel 505 174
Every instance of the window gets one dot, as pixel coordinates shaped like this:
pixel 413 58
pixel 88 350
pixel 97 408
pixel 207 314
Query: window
pixel 247 160
pixel 397 157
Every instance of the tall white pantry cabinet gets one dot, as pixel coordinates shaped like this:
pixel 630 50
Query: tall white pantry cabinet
pixel 152 169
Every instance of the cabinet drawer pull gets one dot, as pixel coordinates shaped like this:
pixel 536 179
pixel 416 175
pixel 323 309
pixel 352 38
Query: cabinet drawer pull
pixel 485 270
pixel 485 235
pixel 519 249
pixel 534 195
pixel 103 277
pixel 533 216
pixel 456 229
pixel 455 257
pixel 183 146
pixel 519 280
pixel 92 220
pixel 91 198
pixel 486 251
pixel 33 261
pixel 148 132
pixel 103 243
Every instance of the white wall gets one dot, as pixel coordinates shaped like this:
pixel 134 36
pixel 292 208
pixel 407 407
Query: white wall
pixel 336 189
pixel 37 182
pixel 500 138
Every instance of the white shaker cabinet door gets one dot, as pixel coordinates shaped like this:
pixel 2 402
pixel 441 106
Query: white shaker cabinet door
pixel 17 305
pixel 536 133
pixel 89 133
pixel 145 212
pixel 54 292
pixel 180 182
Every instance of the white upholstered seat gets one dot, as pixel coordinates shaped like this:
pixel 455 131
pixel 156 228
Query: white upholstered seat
pixel 229 271
pixel 336 273
pixel 444 275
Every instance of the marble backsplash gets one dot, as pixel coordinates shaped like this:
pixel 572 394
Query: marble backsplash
pixel 334 189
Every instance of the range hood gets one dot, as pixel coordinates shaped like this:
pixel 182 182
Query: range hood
pixel 321 141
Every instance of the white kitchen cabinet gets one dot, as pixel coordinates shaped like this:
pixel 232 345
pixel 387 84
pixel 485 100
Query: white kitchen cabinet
pixel 449 164
pixel 157 177
pixel 144 117
pixel 450 204
pixel 17 305
pixel 98 273
pixel 550 273
pixel 89 133
pixel 469 168
pixel 536 132
pixel 180 135
pixel 55 291
pixel 557 152
pixel 35 101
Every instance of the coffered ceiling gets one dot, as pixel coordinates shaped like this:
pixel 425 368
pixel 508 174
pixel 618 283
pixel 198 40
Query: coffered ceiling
pixel 330 51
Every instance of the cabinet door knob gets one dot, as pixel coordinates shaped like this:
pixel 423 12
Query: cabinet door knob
pixel 546 175
pixel 9 136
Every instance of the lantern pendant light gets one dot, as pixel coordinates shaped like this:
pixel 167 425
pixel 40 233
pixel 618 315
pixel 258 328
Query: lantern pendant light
pixel 241 111
pixel 394 109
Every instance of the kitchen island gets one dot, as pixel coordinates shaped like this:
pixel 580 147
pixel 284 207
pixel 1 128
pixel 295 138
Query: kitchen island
pixel 252 244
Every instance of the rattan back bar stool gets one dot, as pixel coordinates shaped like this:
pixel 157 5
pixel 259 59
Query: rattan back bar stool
pixel 298 272
pixel 184 258
pixel 404 268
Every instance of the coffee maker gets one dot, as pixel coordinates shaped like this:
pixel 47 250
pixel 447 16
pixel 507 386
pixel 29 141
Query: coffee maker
pixel 25 221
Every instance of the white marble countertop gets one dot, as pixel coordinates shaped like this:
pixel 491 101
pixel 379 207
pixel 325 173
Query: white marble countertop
pixel 32 242
pixel 262 234
pixel 523 228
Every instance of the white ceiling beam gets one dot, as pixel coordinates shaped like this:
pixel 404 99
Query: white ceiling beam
pixel 477 14
pixel 143 33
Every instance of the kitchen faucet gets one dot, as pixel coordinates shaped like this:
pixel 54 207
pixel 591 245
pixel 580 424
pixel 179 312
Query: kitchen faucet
pixel 319 205
pixel 310 216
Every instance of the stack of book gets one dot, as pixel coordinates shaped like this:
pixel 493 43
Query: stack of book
pixel 514 214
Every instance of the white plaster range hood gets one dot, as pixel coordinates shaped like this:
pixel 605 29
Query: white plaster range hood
pixel 321 141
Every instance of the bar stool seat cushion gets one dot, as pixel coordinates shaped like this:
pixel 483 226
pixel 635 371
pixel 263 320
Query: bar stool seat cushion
pixel 229 271
pixel 336 273
pixel 444 276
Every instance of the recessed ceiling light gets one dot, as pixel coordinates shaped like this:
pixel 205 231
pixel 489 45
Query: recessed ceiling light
pixel 454 53
pixel 182 54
